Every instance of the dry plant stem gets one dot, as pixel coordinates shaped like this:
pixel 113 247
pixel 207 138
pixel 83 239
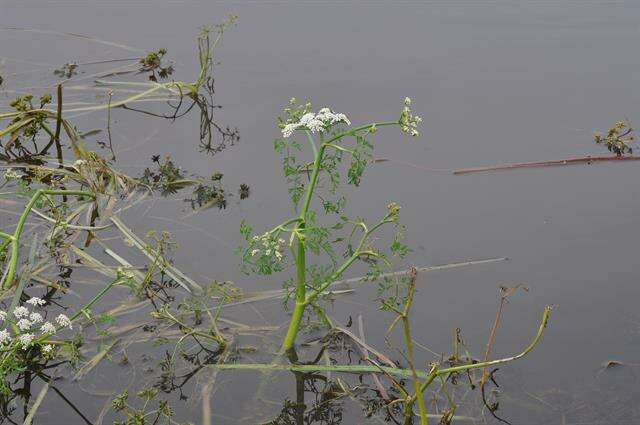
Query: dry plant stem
pixel 504 296
pixel 555 163
pixel 55 137
pixel 14 239
pixel 113 154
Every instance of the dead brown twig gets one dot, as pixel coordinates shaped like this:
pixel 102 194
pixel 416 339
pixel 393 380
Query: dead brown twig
pixel 554 163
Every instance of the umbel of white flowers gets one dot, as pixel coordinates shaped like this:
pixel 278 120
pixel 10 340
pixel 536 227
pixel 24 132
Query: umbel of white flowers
pixel 28 323
pixel 271 246
pixel 325 118
pixel 315 123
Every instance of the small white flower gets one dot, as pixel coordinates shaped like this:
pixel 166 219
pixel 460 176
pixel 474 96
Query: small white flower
pixel 35 301
pixel 316 126
pixel 21 311
pixel 315 123
pixel 280 241
pixel 63 321
pixel 307 118
pixel 267 252
pixel 288 130
pixel 25 340
pixel 3 315
pixel 47 349
pixel 278 255
pixel 23 324
pixel 343 118
pixel 79 163
pixel 47 328
pixel 255 252
pixel 10 174
pixel 5 336
pixel 408 121
pixel 35 318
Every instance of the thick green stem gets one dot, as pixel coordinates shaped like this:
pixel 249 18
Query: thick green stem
pixel 298 311
pixel 317 163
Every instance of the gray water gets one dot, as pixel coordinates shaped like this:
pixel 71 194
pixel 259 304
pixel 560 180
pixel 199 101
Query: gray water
pixel 496 82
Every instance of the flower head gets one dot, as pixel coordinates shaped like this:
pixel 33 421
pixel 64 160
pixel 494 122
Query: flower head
pixel 315 122
pixel 394 211
pixel 11 174
pixel 20 312
pixel 5 336
pixel 25 340
pixel 409 122
pixel 3 315
pixel 47 328
pixel 63 321
pixel 24 324
pixel 35 301
pixel 35 318
pixel 46 349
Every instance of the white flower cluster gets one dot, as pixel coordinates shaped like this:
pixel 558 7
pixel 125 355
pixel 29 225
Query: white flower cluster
pixel 408 121
pixel 316 122
pixel 28 323
pixel 11 174
pixel 35 301
pixel 270 246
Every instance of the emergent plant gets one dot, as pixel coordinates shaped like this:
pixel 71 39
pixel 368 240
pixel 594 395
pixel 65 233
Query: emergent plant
pixel 328 135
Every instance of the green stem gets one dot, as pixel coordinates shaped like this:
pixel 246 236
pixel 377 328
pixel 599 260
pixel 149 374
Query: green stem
pixel 360 128
pixel 358 252
pixel 312 143
pixel 317 163
pixel 316 292
pixel 298 311
pixel 302 300
pixel 430 376
pixel 95 299
pixel 15 238
pixel 416 381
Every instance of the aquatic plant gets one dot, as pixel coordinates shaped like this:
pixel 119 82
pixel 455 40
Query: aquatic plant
pixel 322 152
pixel 328 134
pixel 618 139
pixel 148 414
pixel 311 239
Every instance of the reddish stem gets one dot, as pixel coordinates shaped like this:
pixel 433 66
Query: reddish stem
pixel 555 163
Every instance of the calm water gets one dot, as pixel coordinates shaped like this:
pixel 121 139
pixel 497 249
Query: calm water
pixel 496 82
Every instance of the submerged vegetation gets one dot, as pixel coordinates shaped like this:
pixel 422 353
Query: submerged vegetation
pixel 171 332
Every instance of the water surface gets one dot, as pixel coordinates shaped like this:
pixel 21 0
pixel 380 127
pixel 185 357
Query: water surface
pixel 496 82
